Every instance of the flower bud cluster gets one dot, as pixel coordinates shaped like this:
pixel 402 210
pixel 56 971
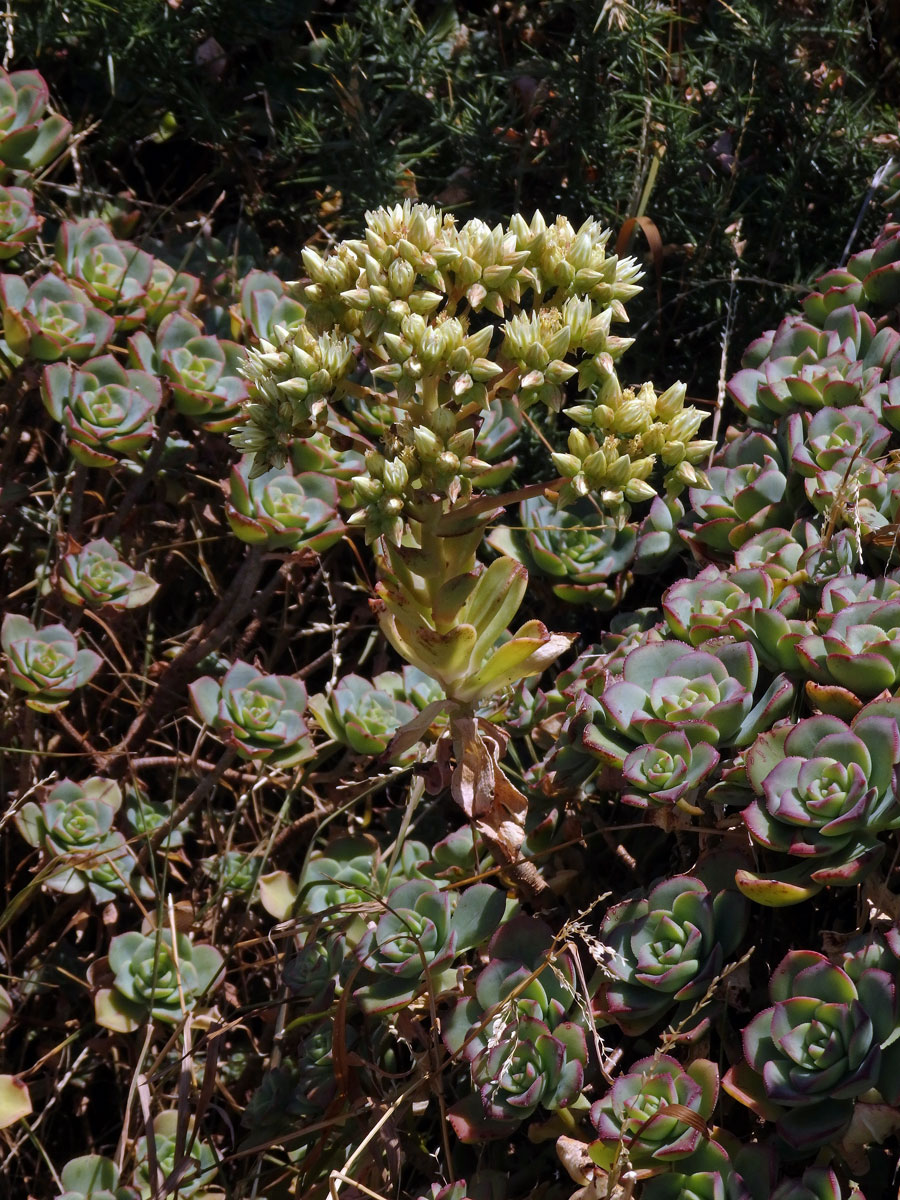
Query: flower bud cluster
pixel 621 436
pixel 432 457
pixel 415 303
pixel 291 381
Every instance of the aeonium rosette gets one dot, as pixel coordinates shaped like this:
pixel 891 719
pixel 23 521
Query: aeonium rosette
pixel 262 715
pixel 45 663
pixel 73 827
pixel 859 650
pixel 51 320
pixel 657 1113
pixel 522 1052
pixel 203 371
pixel 824 791
pixel 28 138
pixel 18 222
pixel 578 550
pixel 96 576
pixel 415 942
pixel 680 706
pixel 826 1040
pixel 155 975
pixel 105 409
pixel 114 274
pixel 282 510
pixel 668 946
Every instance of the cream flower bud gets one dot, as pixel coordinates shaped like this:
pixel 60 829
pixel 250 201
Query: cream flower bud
pixel 579 443
pixel 396 476
pixel 638 490
pixel 672 453
pixel 671 401
pixel 427 445
pixel 685 425
pixel 401 277
pixel 567 464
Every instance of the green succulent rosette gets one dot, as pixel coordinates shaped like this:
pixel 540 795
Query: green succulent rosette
pixel 203 372
pixel 281 510
pixel 28 138
pixel 364 715
pixel 579 550
pixel 97 577
pixel 824 790
pixel 668 946
pixel 859 650
pixel 417 939
pixel 93 1177
pixel 45 663
pixel 114 274
pixel 73 827
pixel 264 303
pixel 106 410
pixel 155 976
pixel 19 224
pixel 644 1112
pixel 201 1167
pixel 51 320
pixel 827 1039
pixel 261 715
pixel 167 291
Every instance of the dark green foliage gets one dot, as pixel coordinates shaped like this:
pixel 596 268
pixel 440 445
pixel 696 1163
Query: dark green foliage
pixel 746 133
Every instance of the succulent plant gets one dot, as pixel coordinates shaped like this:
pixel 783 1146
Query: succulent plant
pixel 52 319
pixel 826 1040
pixel 635 1114
pixel 28 139
pixel 234 872
pixel 668 946
pixel 114 274
pixel 834 434
pixel 282 510
pixel 670 686
pixel 746 492
pixel 202 371
pixel 105 409
pixel 145 816
pixel 168 290
pixel 19 224
pixel 816 1183
pixel 522 1051
pixel 676 704
pixel 824 791
pixel 667 770
pixel 317 454
pixel 703 607
pixel 73 828
pixel 155 977
pixel 776 551
pixel 500 432
pixel 859 651
pixel 714 1172
pixel 264 303
pixel 578 549
pixel 417 939
pixel 262 715
pixel 364 716
pixel 96 576
pixel 201 1168
pixel 802 366
pixel 92 1177
pixel 870 280
pixel 45 663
